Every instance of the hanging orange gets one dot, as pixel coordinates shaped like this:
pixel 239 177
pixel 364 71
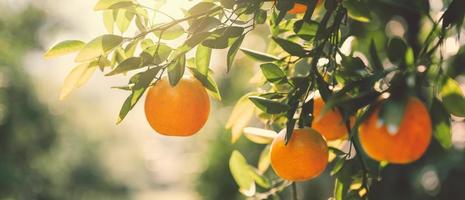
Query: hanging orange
pixel 181 110
pixel 408 144
pixel 331 124
pixel 303 158
pixel 301 8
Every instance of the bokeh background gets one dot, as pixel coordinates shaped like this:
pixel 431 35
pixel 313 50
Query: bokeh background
pixel 72 149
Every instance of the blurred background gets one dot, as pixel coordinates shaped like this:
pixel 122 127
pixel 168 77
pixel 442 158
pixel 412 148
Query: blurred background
pixel 72 149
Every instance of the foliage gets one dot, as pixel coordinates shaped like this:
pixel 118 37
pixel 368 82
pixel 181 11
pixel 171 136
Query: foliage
pixel 306 59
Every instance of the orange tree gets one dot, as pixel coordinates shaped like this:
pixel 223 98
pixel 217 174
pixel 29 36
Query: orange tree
pixel 400 93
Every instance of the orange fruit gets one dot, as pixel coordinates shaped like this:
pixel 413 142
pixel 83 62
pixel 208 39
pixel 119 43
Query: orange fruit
pixel 181 110
pixel 331 124
pixel 407 145
pixel 303 158
pixel 298 8
pixel 301 8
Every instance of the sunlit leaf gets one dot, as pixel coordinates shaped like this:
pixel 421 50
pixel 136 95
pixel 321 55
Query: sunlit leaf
pixel 259 135
pixel 259 55
pixel 77 77
pixel 64 48
pixel 441 124
pixel 202 59
pixel 171 33
pixel 113 4
pixel 109 19
pixel 452 97
pixel 241 172
pixel 273 73
pixel 176 70
pixel 129 64
pixel 290 47
pixel 208 82
pixel 233 51
pixel 264 160
pixel 240 117
pixel 98 47
pixel 124 19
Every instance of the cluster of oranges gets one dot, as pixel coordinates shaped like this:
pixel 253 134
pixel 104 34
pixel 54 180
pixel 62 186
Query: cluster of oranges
pixel 306 154
pixel 182 110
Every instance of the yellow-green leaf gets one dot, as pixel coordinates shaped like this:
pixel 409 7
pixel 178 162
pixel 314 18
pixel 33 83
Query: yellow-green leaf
pixel 452 97
pixel 240 117
pixel 259 135
pixel 109 20
pixel 242 173
pixel 112 4
pixel 64 48
pixel 99 46
pixel 77 77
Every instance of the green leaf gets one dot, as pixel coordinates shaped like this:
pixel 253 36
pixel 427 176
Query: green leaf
pixel 171 33
pixel 269 106
pixel 441 124
pixel 377 64
pixel 306 30
pixel 353 67
pixel 202 59
pixel 264 160
pixel 109 17
pixel 260 180
pixel 131 48
pixel 397 49
pixel 201 7
pixel 452 97
pixel 290 47
pixel 77 77
pixel 176 70
pixel 143 83
pixel 112 4
pixel 97 47
pixel 357 10
pixel 339 163
pixel 273 73
pixel 123 19
pixel 392 113
pixel 208 82
pixel 189 44
pixel 241 171
pixel 124 109
pixel 259 56
pixel 233 51
pixel 454 14
pixel 204 24
pixel 64 48
pixel 129 64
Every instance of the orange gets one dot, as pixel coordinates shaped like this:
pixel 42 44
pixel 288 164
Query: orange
pixel 407 145
pixel 181 110
pixel 304 157
pixel 300 8
pixel 331 124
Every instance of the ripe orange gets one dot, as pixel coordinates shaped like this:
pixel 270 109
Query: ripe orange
pixel 181 110
pixel 331 124
pixel 301 8
pixel 298 8
pixel 407 145
pixel 303 158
